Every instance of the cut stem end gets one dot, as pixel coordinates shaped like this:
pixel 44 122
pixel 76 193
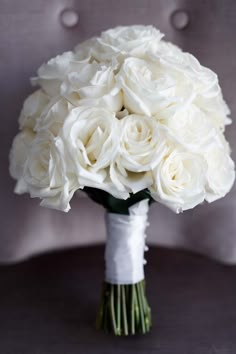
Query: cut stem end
pixel 124 309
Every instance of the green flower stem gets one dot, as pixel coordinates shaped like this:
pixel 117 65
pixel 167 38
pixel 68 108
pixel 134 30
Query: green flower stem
pixel 124 309
pixel 118 308
pixel 125 323
pixel 113 318
pixel 132 310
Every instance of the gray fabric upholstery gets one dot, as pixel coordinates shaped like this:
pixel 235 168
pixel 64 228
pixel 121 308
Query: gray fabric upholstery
pixel 30 33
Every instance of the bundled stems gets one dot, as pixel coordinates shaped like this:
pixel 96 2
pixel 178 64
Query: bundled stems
pixel 124 309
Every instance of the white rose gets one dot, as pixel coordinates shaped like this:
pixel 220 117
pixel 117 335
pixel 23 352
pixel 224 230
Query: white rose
pixel 93 85
pixel 149 88
pixel 190 127
pixel 54 115
pixel 220 171
pixel 167 49
pixel 179 180
pixel 86 51
pixel 172 58
pixel 142 146
pixel 18 156
pixel 126 182
pixel 32 109
pixel 216 109
pixel 130 40
pixel 92 137
pixel 142 143
pixel 46 172
pixel 52 73
pixel 207 92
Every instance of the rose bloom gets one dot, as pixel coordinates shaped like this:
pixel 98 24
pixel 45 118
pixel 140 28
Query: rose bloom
pixel 142 143
pixel 142 146
pixel 221 170
pixel 148 87
pixel 121 41
pixel 206 91
pixel 179 180
pixel 54 115
pixel 52 74
pixel 46 173
pixel 91 136
pixel 190 127
pixel 38 159
pixel 86 51
pixel 18 155
pixel 32 109
pixel 93 85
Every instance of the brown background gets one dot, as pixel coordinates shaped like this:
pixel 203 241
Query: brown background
pixel 30 33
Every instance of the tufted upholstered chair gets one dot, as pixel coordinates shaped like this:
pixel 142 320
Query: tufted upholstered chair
pixel 47 303
pixel 33 31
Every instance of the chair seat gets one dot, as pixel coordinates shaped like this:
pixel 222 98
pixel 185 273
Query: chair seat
pixel 48 305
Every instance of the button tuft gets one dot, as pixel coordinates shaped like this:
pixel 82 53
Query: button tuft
pixel 180 19
pixel 69 18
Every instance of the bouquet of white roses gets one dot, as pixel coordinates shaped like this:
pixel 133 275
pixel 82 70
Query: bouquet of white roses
pixel 130 119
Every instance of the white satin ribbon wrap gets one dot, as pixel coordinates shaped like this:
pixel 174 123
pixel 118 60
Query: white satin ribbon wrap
pixel 125 245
